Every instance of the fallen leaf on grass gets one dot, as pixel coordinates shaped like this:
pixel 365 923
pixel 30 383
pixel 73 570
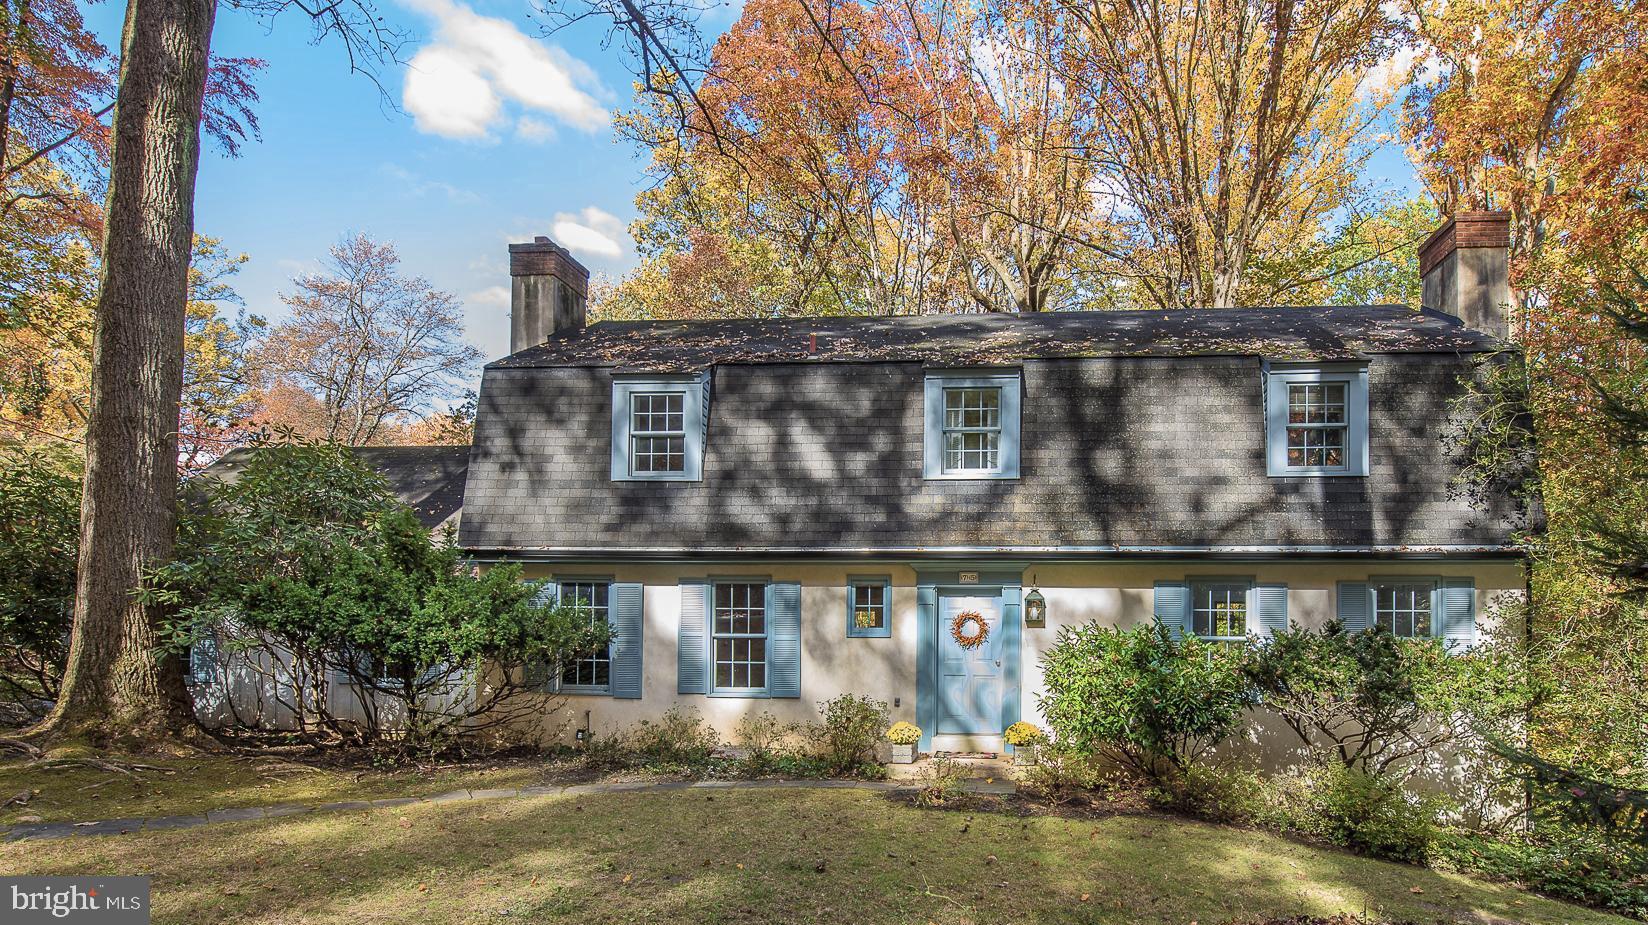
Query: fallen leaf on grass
pixel 1086 896
pixel 1415 889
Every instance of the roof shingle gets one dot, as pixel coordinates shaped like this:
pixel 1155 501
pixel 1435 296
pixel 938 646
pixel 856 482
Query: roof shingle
pixel 1340 332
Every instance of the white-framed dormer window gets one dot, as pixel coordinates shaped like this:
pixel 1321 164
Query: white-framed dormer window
pixel 1316 420
pixel 658 428
pixel 972 425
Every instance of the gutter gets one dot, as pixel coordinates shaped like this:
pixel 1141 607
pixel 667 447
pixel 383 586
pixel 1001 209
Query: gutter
pixel 973 553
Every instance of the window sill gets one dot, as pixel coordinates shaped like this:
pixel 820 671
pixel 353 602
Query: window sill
pixel 584 691
pixel 751 694
pixel 1316 474
pixel 970 476
pixel 882 633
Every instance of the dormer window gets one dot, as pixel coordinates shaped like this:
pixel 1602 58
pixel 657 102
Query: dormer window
pixel 972 429
pixel 1316 420
pixel 658 428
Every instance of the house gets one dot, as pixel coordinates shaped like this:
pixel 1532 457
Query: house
pixel 773 512
pixel 257 686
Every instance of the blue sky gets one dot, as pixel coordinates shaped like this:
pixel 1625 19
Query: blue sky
pixel 499 135
pixel 491 133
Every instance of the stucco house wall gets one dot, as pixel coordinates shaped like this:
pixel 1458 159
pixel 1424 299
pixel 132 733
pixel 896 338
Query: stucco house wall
pixel 1118 594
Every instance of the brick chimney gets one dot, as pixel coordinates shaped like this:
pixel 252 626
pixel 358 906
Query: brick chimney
pixel 1465 268
pixel 546 292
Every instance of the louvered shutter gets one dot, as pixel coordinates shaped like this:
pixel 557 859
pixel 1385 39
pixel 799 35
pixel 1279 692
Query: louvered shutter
pixel 1355 606
pixel 1272 604
pixel 626 621
pixel 1172 606
pixel 784 639
pixel 1457 598
pixel 692 672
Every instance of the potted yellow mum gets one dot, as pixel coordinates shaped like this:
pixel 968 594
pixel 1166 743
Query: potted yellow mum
pixel 1025 739
pixel 903 736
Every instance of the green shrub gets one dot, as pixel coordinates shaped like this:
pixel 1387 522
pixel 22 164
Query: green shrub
pixel 940 782
pixel 1151 703
pixel 1372 814
pixel 1568 861
pixel 1215 793
pixel 1377 702
pixel 1058 773
pixel 679 739
pixel 847 737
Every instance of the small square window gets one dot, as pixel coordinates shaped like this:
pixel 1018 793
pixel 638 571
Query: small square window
pixel 1404 608
pixel 1218 610
pixel 869 607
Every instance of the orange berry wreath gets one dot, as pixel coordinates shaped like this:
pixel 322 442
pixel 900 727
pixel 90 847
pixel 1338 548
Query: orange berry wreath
pixel 969 638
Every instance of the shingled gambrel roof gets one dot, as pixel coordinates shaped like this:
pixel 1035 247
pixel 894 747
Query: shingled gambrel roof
pixel 1337 332
pixel 428 479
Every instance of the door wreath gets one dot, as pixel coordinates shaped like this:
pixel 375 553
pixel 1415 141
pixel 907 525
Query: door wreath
pixel 969 629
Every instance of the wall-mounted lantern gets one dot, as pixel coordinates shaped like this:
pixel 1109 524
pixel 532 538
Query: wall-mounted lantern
pixel 1035 609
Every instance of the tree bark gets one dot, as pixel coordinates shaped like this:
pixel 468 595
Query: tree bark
pixel 116 684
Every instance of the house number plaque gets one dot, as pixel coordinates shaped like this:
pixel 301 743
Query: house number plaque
pixel 968 578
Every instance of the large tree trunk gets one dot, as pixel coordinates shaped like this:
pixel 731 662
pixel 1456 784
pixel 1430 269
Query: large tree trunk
pixel 115 683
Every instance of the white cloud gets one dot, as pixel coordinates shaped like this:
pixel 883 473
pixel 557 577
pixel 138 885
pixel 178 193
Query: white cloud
pixel 528 128
pixel 457 86
pixel 491 296
pixel 415 185
pixel 591 232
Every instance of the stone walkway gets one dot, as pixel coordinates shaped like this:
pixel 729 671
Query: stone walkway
pixel 48 830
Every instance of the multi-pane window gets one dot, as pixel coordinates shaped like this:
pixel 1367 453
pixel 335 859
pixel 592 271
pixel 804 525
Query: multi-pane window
pixel 867 608
pixel 740 635
pixel 589 669
pixel 972 429
pixel 1316 427
pixel 658 432
pixel 1218 609
pixel 1403 608
pixel 1316 420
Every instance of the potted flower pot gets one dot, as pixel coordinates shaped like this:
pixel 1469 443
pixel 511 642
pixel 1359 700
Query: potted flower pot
pixel 901 742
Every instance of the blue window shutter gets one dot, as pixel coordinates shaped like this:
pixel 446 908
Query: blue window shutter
pixel 1458 608
pixel 203 659
pixel 1173 606
pixel 1355 606
pixel 548 593
pixel 692 670
pixel 536 674
pixel 1012 611
pixel 926 664
pixel 784 639
pixel 625 618
pixel 1272 600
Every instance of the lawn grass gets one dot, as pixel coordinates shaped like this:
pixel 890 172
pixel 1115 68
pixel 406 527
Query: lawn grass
pixel 196 783
pixel 758 855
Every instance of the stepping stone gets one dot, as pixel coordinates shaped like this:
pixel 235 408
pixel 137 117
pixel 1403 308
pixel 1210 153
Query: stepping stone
pixel 495 794
pixel 449 797
pixel 395 801
pixel 240 814
pixel 109 827
pixel 286 809
pixel 344 805
pixel 173 822
pixel 34 832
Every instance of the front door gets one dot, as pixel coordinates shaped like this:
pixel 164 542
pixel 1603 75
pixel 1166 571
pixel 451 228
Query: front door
pixel 969 679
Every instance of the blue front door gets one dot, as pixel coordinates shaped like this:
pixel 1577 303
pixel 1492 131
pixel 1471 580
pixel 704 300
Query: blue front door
pixel 969 680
